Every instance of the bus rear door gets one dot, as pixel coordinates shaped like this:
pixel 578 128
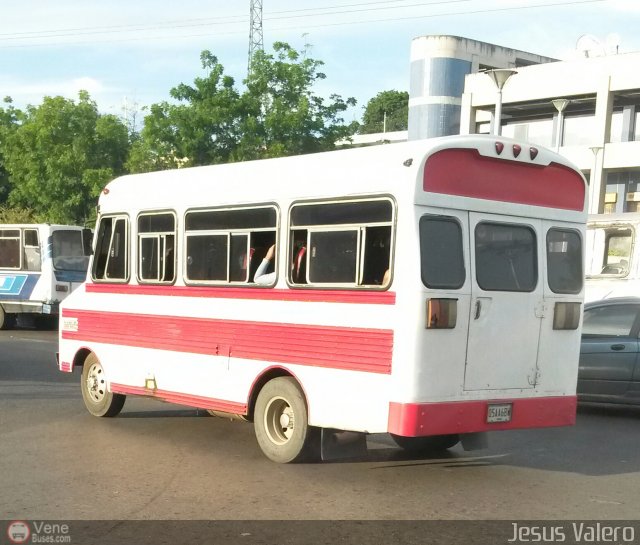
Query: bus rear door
pixel 506 303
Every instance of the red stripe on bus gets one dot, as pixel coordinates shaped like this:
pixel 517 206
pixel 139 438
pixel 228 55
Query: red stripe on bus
pixel 349 348
pixel 308 296
pixel 419 419
pixel 466 173
pixel 182 399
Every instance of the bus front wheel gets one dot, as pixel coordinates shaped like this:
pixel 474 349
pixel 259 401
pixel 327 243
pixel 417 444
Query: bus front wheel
pixel 281 423
pixel 432 443
pixel 98 400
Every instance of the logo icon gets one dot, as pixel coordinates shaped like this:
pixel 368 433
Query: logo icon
pixel 18 531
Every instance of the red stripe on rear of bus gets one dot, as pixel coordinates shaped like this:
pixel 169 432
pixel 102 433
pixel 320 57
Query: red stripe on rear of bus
pixel 303 295
pixel 466 173
pixel 419 419
pixel 349 348
pixel 182 399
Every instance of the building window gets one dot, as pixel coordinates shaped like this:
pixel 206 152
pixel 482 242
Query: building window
pixel 579 130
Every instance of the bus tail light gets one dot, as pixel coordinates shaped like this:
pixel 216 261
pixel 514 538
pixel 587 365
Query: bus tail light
pixel 441 313
pixel 566 315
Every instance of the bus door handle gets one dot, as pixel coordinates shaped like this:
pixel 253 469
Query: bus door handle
pixel 478 309
pixel 617 347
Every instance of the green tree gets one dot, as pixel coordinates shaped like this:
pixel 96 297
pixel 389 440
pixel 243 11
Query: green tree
pixel 283 114
pixel 392 105
pixel 61 156
pixel 200 129
pixel 211 122
pixel 9 121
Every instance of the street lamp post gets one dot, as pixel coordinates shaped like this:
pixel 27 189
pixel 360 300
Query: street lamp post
pixel 560 105
pixel 499 76
pixel 594 192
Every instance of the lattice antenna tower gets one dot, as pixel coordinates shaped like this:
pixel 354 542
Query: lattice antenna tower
pixel 256 41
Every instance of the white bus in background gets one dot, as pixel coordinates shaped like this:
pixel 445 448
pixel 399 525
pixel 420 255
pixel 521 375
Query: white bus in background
pixel 430 289
pixel 612 259
pixel 40 264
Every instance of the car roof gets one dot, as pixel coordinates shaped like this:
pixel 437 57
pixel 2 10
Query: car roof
pixel 613 301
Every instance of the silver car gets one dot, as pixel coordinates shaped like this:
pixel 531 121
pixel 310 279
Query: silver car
pixel 609 363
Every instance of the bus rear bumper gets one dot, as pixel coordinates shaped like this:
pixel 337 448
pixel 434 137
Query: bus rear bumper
pixel 444 418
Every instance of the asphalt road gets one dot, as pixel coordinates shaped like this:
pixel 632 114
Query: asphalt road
pixel 163 462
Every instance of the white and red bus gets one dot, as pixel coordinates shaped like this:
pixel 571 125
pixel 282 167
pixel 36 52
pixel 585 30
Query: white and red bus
pixel 429 289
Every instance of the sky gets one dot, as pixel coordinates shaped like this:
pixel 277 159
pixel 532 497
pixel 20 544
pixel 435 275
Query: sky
pixel 129 53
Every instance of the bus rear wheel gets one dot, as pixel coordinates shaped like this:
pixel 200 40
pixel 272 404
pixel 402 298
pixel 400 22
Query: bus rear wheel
pixel 432 443
pixel 98 400
pixel 281 422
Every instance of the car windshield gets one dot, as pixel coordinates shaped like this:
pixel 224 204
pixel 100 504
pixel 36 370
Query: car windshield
pixel 70 250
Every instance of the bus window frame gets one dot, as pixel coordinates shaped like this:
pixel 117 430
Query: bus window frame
pixel 115 216
pixel 230 233
pixel 160 236
pixel 360 227
pixel 20 247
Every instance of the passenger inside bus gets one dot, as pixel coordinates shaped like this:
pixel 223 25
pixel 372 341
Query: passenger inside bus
pixel 262 277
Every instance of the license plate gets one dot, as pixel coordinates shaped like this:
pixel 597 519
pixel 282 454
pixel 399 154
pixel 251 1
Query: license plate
pixel 499 412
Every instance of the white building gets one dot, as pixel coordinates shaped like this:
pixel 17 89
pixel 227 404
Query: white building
pixel 599 129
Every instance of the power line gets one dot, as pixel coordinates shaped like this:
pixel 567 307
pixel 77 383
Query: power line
pixel 295 28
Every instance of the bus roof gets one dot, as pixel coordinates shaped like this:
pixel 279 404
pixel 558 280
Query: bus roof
pixel 390 168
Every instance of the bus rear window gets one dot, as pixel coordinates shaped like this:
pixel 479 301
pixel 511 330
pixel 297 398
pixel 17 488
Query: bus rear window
pixel 441 257
pixel 564 261
pixel 506 257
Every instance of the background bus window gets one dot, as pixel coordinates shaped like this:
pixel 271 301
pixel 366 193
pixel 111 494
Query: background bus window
pixel 156 248
pixel 347 244
pixel 69 250
pixel 506 257
pixel 207 257
pixel 110 262
pixel 31 261
pixel 441 256
pixel 10 248
pixel 564 261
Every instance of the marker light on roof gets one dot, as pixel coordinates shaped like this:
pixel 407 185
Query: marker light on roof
pixel 533 152
pixel 106 190
pixel 499 147
pixel 516 150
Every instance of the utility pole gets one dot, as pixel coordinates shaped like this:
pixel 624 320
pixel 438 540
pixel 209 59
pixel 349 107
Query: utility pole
pixel 256 41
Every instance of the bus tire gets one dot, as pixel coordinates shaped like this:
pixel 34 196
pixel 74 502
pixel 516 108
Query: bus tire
pixel 281 422
pixel 98 400
pixel 432 443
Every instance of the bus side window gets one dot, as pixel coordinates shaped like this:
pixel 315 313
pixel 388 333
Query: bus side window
pixel 156 241
pixel 31 250
pixel 111 260
pixel 348 243
pixel 226 246
pixel 10 248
